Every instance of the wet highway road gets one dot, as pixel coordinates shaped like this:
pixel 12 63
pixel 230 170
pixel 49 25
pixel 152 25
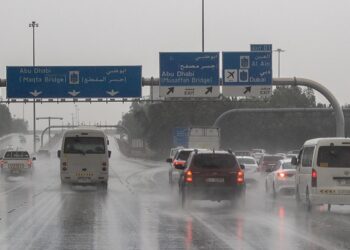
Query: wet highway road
pixel 140 211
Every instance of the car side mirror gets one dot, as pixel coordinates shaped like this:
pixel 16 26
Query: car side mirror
pixel 59 153
pixel 180 167
pixel 34 158
pixel 294 161
pixel 109 153
pixel 242 166
pixel 169 160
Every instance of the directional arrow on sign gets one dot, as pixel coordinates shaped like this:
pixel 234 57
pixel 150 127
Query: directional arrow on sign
pixel 247 90
pixel 112 92
pixel 36 93
pixel 209 90
pixel 74 93
pixel 170 90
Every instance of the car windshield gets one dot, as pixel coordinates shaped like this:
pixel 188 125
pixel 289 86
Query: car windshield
pixel 17 155
pixel 334 156
pixel 288 165
pixel 246 161
pixel 216 161
pixel 84 145
pixel 183 155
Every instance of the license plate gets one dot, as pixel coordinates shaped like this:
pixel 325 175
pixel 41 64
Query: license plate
pixel 215 180
pixel 84 174
pixel 15 166
pixel 345 192
pixel 344 182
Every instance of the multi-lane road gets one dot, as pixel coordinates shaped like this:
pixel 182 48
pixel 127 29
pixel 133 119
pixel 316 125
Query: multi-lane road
pixel 140 211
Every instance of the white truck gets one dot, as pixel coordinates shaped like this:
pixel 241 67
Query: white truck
pixel 204 137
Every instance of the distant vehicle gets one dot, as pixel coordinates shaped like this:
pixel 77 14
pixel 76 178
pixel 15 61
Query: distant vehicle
pixel 84 157
pixel 204 138
pixel 251 168
pixel 323 172
pixel 179 159
pixel 173 151
pixel 281 154
pixel 268 162
pixel 257 153
pixel 294 152
pixel 243 153
pixel 211 175
pixel 44 153
pixel 16 161
pixel 282 179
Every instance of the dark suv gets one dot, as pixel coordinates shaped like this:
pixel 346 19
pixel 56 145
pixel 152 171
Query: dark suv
pixel 212 175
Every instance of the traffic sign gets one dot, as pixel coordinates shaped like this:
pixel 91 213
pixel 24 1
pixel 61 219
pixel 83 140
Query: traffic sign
pixel 247 73
pixel 74 82
pixel 180 137
pixel 189 74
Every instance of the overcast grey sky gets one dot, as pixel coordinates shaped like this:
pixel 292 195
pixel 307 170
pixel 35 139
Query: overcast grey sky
pixel 314 33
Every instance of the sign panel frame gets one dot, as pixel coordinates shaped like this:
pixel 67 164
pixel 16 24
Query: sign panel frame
pixel 247 73
pixel 74 82
pixel 189 74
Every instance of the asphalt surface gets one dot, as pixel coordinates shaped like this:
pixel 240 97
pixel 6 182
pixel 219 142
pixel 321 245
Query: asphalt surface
pixel 140 211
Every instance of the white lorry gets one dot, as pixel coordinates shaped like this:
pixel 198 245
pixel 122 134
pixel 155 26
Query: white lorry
pixel 204 137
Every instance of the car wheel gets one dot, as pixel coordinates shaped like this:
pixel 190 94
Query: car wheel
pixel 183 198
pixel 274 193
pixel 307 200
pixel 297 195
pixel 171 182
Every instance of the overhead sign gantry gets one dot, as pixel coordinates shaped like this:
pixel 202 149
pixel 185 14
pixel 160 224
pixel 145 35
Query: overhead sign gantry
pixel 189 74
pixel 74 82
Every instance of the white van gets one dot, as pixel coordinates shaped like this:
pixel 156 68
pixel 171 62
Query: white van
pixel 84 157
pixel 323 172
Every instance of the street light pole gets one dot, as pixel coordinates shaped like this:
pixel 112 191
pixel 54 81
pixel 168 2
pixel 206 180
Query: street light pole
pixel 49 118
pixel 34 25
pixel 202 25
pixel 279 60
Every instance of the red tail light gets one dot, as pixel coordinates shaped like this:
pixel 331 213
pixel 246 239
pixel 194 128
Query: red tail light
pixel 177 163
pixel 281 175
pixel 313 178
pixel 188 176
pixel 29 162
pixel 240 177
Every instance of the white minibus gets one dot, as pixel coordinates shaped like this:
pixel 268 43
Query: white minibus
pixel 84 157
pixel 323 172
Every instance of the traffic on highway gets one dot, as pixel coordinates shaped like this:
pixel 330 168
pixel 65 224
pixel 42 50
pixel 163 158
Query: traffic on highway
pixel 208 205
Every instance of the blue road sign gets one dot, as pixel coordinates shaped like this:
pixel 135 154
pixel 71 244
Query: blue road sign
pixel 247 73
pixel 247 68
pixel 74 82
pixel 189 74
pixel 180 137
pixel 261 47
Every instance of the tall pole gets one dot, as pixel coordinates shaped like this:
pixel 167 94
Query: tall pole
pixel 202 25
pixel 34 24
pixel 279 60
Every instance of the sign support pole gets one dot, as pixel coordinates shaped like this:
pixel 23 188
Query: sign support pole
pixel 34 25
